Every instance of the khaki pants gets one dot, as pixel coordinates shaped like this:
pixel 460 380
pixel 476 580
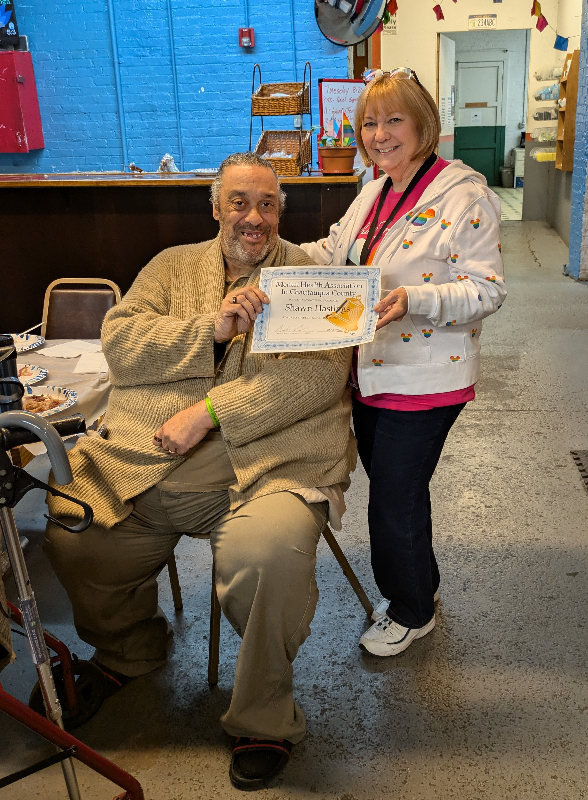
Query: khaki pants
pixel 265 556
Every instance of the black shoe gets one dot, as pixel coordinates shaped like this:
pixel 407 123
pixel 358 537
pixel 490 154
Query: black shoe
pixel 256 762
pixel 114 680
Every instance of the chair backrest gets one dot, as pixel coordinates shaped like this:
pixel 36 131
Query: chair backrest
pixel 75 308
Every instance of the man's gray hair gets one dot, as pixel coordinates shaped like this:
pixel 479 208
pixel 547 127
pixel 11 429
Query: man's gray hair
pixel 244 160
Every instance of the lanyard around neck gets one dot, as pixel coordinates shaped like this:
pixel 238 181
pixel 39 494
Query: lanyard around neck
pixel 372 240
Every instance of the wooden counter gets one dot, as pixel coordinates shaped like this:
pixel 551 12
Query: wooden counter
pixel 109 225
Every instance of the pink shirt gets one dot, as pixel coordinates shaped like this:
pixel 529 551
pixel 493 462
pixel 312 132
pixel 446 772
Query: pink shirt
pixel 406 402
pixel 392 198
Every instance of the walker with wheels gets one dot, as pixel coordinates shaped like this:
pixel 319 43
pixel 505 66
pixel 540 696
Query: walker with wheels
pixel 69 691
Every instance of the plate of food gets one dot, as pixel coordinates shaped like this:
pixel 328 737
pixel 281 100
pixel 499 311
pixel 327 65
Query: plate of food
pixel 26 341
pixel 47 400
pixel 28 374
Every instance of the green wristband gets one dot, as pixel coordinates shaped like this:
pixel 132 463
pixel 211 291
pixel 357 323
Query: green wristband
pixel 213 416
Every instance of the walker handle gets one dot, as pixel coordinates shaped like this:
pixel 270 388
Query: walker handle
pixel 44 431
pixel 15 437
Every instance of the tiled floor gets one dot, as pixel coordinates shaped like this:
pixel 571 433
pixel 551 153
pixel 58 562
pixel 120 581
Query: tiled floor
pixel 512 202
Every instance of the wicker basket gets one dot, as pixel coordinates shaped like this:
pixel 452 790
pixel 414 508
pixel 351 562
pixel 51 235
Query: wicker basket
pixel 296 146
pixel 264 102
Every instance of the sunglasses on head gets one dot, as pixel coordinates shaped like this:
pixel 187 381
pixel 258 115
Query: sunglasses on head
pixel 374 74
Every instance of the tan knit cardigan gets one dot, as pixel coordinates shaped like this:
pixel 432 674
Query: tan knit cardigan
pixel 284 417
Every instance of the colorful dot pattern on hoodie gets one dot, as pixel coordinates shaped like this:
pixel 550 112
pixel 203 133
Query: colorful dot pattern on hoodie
pixel 402 402
pixel 391 200
pixel 423 217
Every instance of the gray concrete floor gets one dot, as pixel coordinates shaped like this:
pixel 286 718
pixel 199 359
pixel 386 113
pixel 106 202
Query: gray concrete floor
pixel 493 704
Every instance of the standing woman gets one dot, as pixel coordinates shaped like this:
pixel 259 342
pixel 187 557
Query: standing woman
pixel 433 228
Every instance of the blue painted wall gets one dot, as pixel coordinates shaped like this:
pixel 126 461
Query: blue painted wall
pixel 75 72
pixel 580 152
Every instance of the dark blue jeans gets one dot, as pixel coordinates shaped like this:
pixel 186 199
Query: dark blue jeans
pixel 400 451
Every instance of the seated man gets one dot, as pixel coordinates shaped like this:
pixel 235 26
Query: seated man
pixel 204 437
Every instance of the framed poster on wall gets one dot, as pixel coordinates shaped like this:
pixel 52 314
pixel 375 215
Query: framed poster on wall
pixel 338 95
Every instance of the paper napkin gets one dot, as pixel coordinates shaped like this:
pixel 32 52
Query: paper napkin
pixel 91 362
pixel 71 349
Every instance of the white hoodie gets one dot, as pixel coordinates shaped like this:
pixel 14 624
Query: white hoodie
pixel 446 254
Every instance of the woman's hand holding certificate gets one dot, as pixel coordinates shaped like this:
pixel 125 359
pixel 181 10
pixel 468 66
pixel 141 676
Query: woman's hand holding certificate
pixel 393 307
pixel 316 308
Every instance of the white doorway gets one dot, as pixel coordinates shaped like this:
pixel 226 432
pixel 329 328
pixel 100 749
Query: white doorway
pixel 489 73
pixel 479 92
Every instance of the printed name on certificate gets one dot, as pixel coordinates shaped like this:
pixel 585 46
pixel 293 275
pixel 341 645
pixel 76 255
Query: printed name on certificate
pixel 316 308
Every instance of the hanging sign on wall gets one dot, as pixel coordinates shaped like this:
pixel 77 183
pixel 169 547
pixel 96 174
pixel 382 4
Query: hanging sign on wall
pixel 391 27
pixel 338 96
pixel 482 22
pixel 8 26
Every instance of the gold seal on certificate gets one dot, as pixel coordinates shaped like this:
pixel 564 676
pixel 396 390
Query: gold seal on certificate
pixel 316 308
pixel 348 314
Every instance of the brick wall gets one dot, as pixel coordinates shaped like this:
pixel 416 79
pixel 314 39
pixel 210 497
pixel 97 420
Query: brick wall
pixel 75 73
pixel 579 219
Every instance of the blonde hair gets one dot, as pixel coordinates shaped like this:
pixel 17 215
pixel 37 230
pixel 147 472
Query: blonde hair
pixel 399 93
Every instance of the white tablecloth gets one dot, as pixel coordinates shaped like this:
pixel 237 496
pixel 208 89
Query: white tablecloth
pixel 92 389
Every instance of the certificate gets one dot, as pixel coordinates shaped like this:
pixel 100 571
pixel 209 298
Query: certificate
pixel 316 308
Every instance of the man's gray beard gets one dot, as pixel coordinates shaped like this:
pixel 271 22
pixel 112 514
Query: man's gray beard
pixel 232 247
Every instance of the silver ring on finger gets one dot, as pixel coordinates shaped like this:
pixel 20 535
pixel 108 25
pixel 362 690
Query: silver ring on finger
pixel 235 299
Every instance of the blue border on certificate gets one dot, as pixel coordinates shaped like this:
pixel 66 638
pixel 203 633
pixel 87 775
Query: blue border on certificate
pixel 260 342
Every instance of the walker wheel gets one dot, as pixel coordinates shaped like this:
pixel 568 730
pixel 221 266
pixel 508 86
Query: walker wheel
pixel 90 690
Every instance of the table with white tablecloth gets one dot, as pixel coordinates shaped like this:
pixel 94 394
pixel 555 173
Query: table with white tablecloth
pixel 92 388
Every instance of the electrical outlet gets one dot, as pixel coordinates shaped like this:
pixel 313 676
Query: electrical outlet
pixel 298 121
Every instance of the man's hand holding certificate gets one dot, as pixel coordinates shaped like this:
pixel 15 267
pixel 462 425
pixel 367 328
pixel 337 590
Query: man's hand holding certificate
pixel 316 308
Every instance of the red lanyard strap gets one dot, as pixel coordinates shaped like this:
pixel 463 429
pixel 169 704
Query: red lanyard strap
pixel 373 240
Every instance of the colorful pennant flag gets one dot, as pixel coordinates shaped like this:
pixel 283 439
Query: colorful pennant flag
pixel 329 128
pixel 536 9
pixel 348 133
pixel 541 23
pixel 561 43
pixel 438 12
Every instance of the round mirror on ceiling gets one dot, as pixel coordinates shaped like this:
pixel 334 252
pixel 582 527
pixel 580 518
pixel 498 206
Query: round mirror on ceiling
pixel 348 22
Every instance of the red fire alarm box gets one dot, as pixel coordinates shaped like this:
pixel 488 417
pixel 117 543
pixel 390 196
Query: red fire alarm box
pixel 20 119
pixel 246 37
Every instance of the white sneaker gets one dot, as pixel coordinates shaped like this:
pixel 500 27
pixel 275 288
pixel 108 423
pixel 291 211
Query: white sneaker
pixel 388 638
pixel 380 610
